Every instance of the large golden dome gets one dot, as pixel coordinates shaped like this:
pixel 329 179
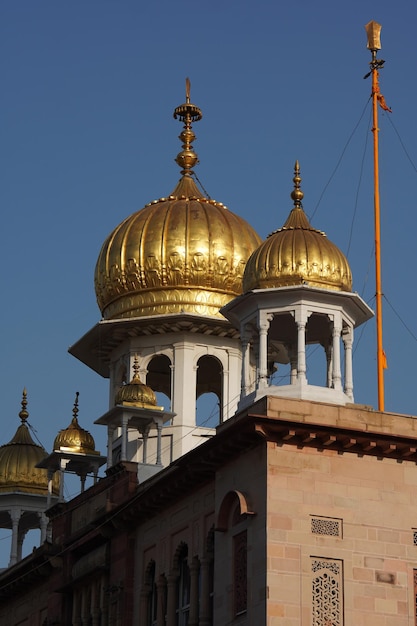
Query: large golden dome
pixel 297 254
pixel 18 459
pixel 182 253
pixel 75 438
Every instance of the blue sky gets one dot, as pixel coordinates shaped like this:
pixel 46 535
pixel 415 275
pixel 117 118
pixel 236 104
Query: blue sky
pixel 88 137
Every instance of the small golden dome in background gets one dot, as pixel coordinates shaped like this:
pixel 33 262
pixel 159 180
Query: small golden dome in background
pixel 297 254
pixel 182 253
pixel 18 459
pixel 74 438
pixel 136 393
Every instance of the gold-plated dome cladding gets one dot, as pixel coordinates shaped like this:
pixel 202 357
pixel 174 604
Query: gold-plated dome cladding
pixel 75 438
pixel 187 113
pixel 18 460
pixel 136 393
pixel 297 254
pixel 184 253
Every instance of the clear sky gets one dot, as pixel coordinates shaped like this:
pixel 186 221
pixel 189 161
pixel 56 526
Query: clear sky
pixel 87 137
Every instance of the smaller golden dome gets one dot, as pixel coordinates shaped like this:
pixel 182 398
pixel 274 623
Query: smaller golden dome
pixel 136 393
pixel 74 438
pixel 18 460
pixel 297 254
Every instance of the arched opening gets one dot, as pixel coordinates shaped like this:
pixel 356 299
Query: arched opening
pixel 282 349
pixel 159 379
pixel 319 350
pixel 152 596
pixel 181 565
pixel 209 392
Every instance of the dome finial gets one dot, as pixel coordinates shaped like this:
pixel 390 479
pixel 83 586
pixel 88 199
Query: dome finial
pixel 297 195
pixel 187 113
pixel 75 408
pixel 24 413
pixel 135 367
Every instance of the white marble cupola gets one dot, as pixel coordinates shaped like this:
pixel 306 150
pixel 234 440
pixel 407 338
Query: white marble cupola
pixel 297 295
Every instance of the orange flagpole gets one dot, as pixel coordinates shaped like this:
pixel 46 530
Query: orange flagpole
pixel 373 30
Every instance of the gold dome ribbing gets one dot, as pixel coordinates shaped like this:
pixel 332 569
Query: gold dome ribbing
pixel 74 438
pixel 297 254
pixel 136 393
pixel 18 459
pixel 182 253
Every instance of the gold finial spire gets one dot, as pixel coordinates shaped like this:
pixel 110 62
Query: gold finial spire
pixel 187 113
pixel 135 367
pixel 75 409
pixel 24 413
pixel 297 195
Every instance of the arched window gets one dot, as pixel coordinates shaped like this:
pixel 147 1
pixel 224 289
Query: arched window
pixel 183 587
pixel 209 392
pixel 159 379
pixel 232 519
pixel 152 599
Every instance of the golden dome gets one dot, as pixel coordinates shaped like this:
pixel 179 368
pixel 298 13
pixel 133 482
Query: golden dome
pixel 297 254
pixel 182 253
pixel 18 459
pixel 136 393
pixel 74 438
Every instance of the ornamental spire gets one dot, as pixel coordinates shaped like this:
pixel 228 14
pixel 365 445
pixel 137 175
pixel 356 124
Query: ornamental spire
pixel 135 367
pixel 24 413
pixel 75 409
pixel 187 113
pixel 297 195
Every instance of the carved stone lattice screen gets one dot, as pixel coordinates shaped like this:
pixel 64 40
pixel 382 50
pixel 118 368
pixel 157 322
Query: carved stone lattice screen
pixel 327 592
pixel 326 526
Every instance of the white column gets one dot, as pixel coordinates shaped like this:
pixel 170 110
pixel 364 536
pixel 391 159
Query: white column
pixel 293 364
pixel 233 380
pixel 301 350
pixel 124 437
pixel 62 466
pixel 145 435
pixel 348 343
pixel 20 540
pixel 245 382
pixel 15 514
pixel 184 384
pixel 43 523
pixel 225 399
pixel 110 435
pixel 263 327
pixel 159 442
pixel 337 375
pixel 50 487
pixel 329 362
